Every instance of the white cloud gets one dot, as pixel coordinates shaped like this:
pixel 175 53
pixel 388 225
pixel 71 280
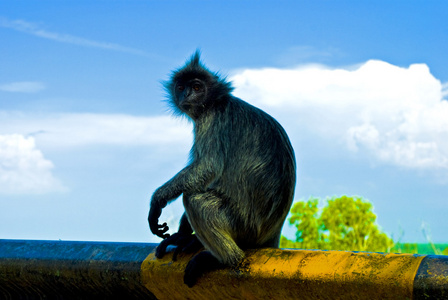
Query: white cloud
pixel 395 114
pixel 36 30
pixel 445 90
pixel 22 87
pixel 77 130
pixel 23 168
pixel 298 54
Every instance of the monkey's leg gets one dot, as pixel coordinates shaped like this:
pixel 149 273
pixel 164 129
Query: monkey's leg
pixel 211 221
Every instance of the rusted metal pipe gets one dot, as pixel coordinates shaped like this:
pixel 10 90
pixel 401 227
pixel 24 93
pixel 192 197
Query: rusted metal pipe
pixel 306 274
pixel 72 270
pixel 95 270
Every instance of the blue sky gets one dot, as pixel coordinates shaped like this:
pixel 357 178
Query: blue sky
pixel 85 136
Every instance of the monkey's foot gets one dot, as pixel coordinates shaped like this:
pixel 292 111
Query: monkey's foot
pixel 185 243
pixel 200 264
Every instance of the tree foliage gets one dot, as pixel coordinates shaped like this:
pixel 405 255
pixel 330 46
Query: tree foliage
pixel 345 223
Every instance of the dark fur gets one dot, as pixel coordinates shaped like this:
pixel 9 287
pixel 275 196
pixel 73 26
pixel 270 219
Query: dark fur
pixel 239 184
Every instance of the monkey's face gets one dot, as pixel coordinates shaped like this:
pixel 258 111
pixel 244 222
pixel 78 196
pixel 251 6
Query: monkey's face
pixel 190 96
pixel 195 91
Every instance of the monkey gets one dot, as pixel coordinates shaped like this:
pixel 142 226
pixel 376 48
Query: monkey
pixel 239 184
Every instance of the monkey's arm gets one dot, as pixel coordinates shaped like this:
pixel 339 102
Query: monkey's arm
pixel 193 178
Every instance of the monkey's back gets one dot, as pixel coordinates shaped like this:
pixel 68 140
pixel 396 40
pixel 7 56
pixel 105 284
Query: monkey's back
pixel 258 173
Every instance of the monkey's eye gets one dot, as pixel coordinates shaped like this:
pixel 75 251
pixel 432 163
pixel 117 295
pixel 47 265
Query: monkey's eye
pixel 196 87
pixel 181 87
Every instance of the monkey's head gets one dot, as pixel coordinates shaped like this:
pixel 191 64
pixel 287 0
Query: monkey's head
pixel 194 90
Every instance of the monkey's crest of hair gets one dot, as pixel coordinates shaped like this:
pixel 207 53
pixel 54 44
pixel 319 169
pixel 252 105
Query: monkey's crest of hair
pixel 218 87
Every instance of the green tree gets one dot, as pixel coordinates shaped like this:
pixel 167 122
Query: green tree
pixel 305 217
pixel 345 223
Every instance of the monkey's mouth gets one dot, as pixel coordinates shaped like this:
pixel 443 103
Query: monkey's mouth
pixel 185 106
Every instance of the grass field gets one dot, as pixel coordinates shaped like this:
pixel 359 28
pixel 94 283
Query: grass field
pixel 427 248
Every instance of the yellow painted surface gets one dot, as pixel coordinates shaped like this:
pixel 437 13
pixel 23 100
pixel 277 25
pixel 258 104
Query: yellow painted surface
pixel 290 274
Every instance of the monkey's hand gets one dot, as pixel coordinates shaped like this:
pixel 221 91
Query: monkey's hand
pixel 185 243
pixel 153 219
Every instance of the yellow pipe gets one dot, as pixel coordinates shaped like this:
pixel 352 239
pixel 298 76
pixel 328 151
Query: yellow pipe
pixel 290 274
pixel 99 270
